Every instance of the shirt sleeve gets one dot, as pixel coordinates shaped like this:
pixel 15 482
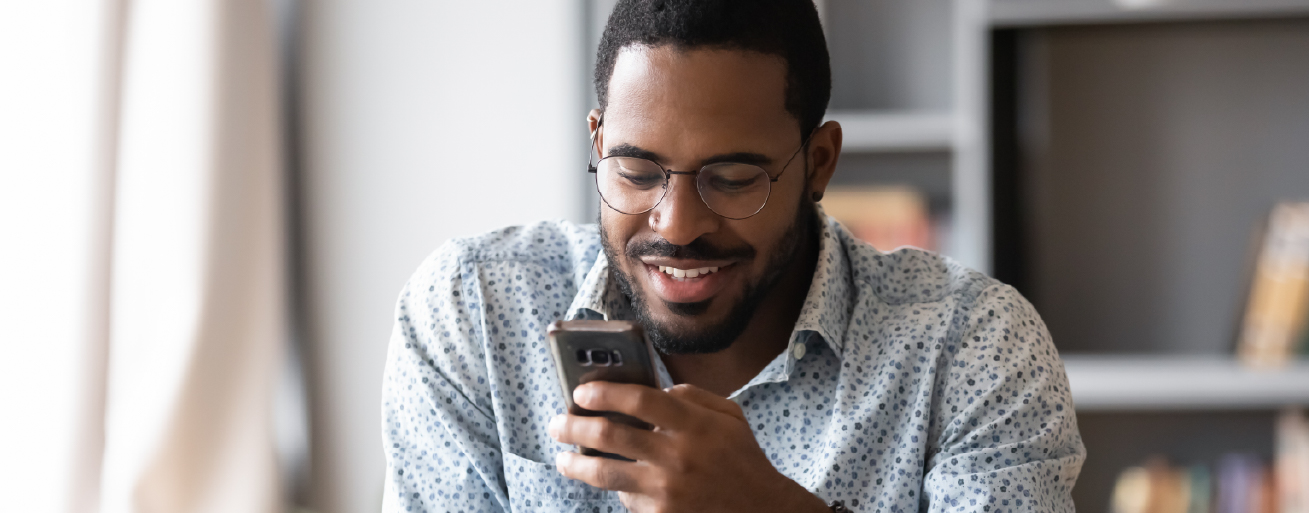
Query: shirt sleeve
pixel 1006 435
pixel 439 431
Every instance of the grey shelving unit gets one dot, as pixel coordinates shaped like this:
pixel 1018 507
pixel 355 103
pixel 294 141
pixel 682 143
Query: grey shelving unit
pixel 1135 145
pixel 1176 174
pixel 908 91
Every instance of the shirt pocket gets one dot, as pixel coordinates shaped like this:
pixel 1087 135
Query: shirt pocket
pixel 536 486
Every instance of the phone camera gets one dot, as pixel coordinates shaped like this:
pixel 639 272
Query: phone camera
pixel 600 357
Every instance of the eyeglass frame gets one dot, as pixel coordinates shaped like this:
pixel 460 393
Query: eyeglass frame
pixel 668 175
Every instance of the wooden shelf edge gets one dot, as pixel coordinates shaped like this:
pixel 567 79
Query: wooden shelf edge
pixel 1020 13
pixel 1109 383
pixel 874 131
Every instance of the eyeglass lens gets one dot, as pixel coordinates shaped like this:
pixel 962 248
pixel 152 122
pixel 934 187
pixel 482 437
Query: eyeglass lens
pixel 634 186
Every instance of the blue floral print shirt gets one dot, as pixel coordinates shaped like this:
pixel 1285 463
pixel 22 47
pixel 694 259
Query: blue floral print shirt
pixel 910 384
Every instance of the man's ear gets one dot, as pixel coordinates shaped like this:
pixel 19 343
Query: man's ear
pixel 593 124
pixel 824 150
pixel 592 120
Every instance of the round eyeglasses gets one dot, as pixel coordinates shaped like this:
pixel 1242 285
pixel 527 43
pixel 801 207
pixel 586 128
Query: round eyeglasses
pixel 633 185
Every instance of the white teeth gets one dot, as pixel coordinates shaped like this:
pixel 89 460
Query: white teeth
pixel 686 273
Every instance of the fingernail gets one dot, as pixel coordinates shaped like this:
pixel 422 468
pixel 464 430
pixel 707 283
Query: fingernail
pixel 556 424
pixel 582 395
pixel 562 459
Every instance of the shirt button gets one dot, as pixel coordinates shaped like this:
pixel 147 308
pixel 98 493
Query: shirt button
pixel 798 351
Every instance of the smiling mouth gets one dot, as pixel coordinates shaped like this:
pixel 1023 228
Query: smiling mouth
pixel 686 274
pixel 688 285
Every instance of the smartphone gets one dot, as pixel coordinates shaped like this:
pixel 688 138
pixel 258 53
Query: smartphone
pixel 615 351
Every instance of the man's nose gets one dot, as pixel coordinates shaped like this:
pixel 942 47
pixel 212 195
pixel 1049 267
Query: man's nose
pixel 682 216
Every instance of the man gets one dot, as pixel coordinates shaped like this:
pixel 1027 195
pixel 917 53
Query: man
pixel 813 373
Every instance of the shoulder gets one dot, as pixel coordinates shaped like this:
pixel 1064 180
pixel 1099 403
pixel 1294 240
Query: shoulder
pixel 911 275
pixel 448 298
pixel 560 247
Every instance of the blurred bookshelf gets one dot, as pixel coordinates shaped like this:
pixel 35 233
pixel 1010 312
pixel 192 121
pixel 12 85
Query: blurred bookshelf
pixel 1135 149
pixel 905 88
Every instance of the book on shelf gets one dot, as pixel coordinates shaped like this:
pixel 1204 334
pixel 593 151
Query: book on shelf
pixel 1277 309
pixel 1237 483
pixel 1158 487
pixel 1291 462
pixel 888 217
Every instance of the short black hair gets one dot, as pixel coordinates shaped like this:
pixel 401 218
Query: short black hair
pixel 786 28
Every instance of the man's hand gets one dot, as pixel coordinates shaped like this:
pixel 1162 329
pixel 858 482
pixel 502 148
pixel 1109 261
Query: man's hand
pixel 701 455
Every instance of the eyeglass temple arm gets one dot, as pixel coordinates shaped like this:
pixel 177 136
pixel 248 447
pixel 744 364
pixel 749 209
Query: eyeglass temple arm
pixel 803 144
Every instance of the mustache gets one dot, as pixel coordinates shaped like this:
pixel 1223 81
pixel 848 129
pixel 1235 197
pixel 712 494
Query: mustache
pixel 698 249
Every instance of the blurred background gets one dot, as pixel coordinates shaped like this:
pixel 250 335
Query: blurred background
pixel 208 207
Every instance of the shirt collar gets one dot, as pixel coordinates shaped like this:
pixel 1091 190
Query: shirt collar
pixel 598 297
pixel 830 300
pixel 827 305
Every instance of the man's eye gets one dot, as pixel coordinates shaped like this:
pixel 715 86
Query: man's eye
pixel 639 179
pixel 733 183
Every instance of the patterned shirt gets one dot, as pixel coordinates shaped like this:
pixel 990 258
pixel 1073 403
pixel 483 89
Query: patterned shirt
pixel 910 383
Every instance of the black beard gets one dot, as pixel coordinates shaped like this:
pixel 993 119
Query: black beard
pixel 709 339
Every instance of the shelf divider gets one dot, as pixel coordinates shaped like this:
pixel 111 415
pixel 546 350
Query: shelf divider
pixel 1021 13
pixel 1191 382
pixel 883 131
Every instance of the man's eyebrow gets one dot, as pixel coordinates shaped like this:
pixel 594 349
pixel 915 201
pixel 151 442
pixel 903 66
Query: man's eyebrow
pixel 628 150
pixel 744 157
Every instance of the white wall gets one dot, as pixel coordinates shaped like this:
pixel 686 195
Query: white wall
pixel 422 121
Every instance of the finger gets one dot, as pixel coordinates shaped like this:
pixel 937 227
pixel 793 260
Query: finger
pixel 638 503
pixel 603 434
pixel 622 476
pixel 706 399
pixel 649 404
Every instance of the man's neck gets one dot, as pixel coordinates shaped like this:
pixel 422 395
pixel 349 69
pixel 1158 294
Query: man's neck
pixel 767 335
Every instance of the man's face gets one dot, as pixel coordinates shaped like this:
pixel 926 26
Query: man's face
pixel 684 109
